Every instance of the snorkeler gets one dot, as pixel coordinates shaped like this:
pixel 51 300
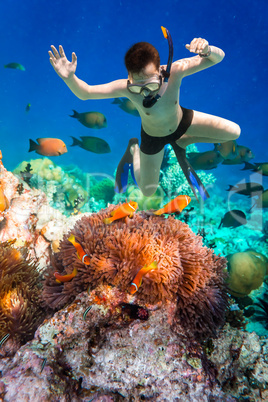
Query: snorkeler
pixel 154 90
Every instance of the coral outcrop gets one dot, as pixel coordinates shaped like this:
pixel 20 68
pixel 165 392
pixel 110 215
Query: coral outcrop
pixel 65 189
pixel 187 273
pixel 246 272
pixel 100 358
pixel 20 309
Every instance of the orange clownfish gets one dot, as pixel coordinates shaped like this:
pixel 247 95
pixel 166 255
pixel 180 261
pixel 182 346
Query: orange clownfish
pixel 80 252
pixel 65 278
pixel 176 205
pixel 138 278
pixel 126 209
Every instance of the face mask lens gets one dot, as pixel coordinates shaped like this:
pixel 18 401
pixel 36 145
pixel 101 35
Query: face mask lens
pixel 154 86
pixel 135 89
pixel 149 87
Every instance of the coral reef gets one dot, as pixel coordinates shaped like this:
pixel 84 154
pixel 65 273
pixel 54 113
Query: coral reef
pixel 260 308
pixel 188 273
pixel 246 272
pixel 172 179
pixel 153 202
pixel 103 358
pixel 20 310
pixel 102 190
pixel 65 188
pixel 109 345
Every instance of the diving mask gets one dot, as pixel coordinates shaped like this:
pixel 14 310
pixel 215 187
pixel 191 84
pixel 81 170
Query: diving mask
pixel 147 87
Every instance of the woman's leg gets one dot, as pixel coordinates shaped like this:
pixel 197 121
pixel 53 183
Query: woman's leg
pixel 208 128
pixel 146 169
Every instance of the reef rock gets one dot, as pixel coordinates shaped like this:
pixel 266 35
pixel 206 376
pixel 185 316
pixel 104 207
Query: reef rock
pixel 103 356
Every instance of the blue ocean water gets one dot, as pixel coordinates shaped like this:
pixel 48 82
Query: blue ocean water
pixel 100 33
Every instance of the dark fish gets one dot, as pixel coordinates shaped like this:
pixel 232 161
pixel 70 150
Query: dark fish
pixel 91 119
pixel 92 144
pixel 250 189
pixel 126 105
pixel 244 155
pixel 4 339
pixel 28 107
pixel 15 66
pixel 204 160
pixel 43 364
pixel 86 311
pixel 261 168
pixel 233 219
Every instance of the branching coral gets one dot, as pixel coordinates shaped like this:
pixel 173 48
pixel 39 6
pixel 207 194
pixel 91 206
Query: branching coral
pixel 187 273
pixel 173 180
pixel 20 311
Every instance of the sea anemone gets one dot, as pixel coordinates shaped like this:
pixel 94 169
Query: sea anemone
pixel 20 311
pixel 187 273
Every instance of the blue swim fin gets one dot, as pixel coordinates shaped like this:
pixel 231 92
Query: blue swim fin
pixel 125 165
pixel 189 172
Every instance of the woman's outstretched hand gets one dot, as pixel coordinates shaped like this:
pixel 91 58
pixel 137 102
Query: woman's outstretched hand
pixel 63 67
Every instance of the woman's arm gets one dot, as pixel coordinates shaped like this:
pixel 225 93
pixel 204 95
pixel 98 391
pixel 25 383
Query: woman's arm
pixel 66 70
pixel 207 57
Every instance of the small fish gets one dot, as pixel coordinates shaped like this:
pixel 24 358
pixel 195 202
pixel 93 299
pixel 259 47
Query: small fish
pixel 80 251
pixel 4 339
pixel 261 168
pixel 244 154
pixel 4 203
pixel 28 107
pixel 48 146
pixel 204 160
pixel 92 144
pixel 15 66
pixel 86 311
pixel 175 205
pixel 43 364
pixel 233 219
pixel 135 285
pixel 126 105
pixel 250 189
pixel 95 120
pixel 126 209
pixel 228 149
pixel 65 278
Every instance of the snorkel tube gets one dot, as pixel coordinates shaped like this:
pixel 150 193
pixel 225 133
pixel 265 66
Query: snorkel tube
pixel 149 101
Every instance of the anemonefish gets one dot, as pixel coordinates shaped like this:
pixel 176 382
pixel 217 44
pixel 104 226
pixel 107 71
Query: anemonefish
pixel 4 203
pixel 48 146
pixel 175 205
pixel 138 278
pixel 80 252
pixel 65 278
pixel 126 209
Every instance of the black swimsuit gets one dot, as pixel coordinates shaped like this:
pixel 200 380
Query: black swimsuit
pixel 152 145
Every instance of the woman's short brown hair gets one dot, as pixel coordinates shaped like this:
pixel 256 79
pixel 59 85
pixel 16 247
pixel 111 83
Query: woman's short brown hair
pixel 140 55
